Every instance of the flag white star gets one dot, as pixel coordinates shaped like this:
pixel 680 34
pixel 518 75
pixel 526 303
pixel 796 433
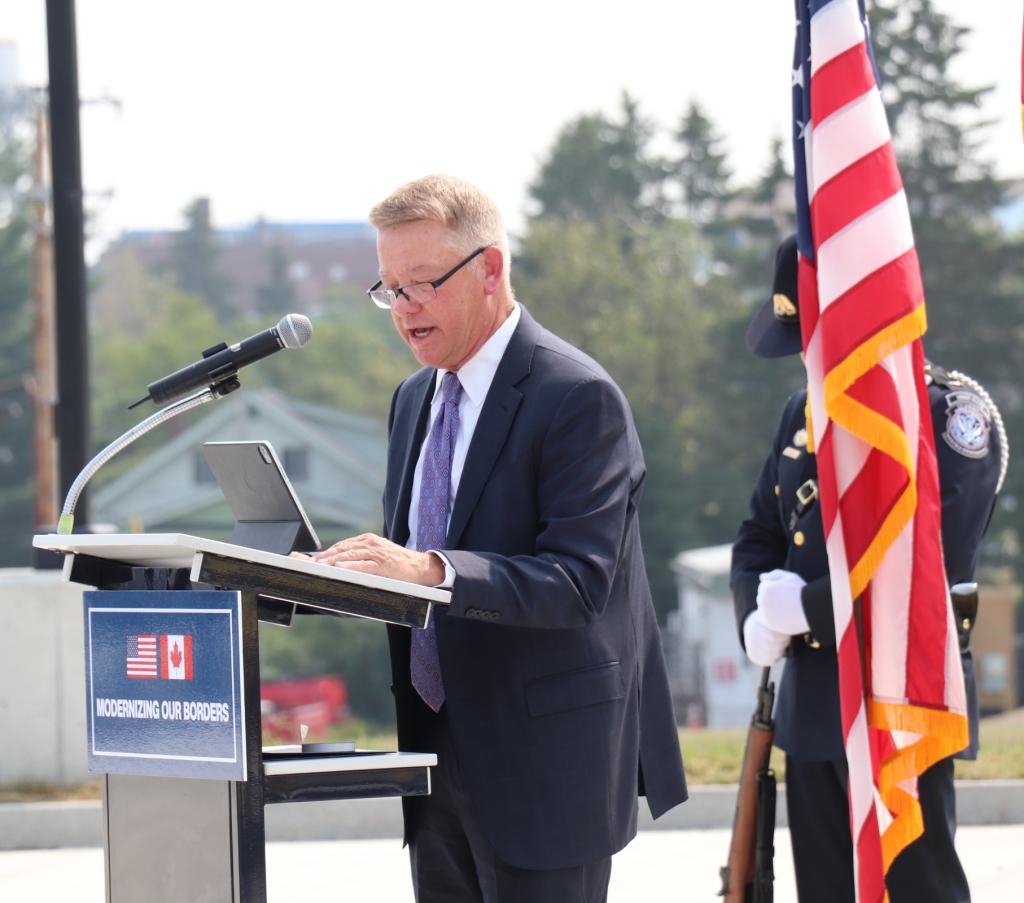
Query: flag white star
pixel 798 76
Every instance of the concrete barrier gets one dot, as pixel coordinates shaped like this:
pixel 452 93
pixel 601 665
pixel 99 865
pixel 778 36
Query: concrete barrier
pixel 42 681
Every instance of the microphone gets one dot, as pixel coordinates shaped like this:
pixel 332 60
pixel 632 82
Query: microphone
pixel 222 362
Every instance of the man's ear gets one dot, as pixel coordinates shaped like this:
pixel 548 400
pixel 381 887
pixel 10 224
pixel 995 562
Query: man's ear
pixel 494 269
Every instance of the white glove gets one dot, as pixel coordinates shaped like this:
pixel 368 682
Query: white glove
pixel 764 646
pixel 780 604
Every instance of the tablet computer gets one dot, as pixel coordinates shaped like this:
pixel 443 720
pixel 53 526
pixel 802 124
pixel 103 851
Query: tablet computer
pixel 267 511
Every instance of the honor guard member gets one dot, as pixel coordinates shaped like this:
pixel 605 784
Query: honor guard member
pixel 783 599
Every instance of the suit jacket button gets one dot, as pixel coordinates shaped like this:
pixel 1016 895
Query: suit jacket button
pixel 799 538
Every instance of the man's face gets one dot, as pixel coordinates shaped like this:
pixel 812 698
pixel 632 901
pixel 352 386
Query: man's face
pixel 450 329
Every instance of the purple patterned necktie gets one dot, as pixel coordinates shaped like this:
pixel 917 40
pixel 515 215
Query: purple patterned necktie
pixel 432 530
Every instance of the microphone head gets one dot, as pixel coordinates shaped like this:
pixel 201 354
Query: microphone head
pixel 294 330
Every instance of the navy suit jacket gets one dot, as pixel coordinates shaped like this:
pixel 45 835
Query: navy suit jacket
pixel 556 689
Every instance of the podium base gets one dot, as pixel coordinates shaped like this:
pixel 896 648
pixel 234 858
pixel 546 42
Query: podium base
pixel 169 839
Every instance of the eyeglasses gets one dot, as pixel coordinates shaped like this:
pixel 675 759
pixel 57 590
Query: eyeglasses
pixel 416 292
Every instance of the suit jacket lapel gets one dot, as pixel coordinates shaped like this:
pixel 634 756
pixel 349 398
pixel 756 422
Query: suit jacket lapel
pixel 412 425
pixel 492 428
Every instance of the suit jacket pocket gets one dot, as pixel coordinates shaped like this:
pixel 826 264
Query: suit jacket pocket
pixel 575 689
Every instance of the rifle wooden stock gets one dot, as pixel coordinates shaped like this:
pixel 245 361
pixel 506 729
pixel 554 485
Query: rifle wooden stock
pixel 738 875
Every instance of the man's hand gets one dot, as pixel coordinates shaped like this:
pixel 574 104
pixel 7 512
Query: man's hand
pixel 764 646
pixel 372 554
pixel 780 602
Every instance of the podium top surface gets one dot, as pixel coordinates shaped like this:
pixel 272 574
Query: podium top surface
pixel 179 550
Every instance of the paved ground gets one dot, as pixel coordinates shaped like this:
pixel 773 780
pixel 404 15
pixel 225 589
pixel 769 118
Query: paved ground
pixel 658 867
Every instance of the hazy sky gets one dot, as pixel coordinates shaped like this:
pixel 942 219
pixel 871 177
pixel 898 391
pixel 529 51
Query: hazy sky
pixel 315 109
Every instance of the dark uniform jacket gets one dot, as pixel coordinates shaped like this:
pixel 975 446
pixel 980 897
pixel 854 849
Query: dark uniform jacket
pixel 784 530
pixel 556 689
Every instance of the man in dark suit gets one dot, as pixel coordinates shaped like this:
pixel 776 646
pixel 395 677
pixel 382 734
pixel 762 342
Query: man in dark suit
pixel 783 596
pixel 513 478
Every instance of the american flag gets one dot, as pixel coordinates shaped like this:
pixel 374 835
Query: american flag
pixel 862 315
pixel 141 656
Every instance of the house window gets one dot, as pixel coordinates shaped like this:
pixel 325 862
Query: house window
pixel 296 464
pixel 201 470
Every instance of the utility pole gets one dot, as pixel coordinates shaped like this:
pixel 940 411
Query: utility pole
pixel 72 407
pixel 43 388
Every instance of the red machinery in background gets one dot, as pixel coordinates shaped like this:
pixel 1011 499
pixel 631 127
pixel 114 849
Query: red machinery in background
pixel 318 702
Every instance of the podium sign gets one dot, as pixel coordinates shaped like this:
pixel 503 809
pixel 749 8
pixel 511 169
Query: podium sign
pixel 164 683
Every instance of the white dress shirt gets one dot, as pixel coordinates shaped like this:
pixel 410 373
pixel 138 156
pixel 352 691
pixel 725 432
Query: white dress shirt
pixel 476 376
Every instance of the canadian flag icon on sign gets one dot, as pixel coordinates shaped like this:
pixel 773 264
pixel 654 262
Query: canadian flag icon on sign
pixel 176 657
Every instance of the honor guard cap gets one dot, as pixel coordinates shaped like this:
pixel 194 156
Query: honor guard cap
pixel 775 329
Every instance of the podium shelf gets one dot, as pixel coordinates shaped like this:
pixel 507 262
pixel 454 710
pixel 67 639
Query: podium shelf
pixel 308 777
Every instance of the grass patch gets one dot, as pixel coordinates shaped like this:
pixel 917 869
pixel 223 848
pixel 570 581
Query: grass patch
pixel 36 792
pixel 1002 750
pixel 714 756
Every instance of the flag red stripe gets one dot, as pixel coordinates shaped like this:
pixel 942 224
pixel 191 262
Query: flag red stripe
pixel 868 500
pixel 807 289
pixel 876 389
pixel 853 192
pixel 875 302
pixel 842 79
pixel 163 657
pixel 929 623
pixel 188 657
pixel 871 887
pixel 827 490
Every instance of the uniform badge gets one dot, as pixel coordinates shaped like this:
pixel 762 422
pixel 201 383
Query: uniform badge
pixel 800 438
pixel 967 424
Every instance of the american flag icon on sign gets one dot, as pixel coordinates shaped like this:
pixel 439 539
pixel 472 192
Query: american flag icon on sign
pixel 141 656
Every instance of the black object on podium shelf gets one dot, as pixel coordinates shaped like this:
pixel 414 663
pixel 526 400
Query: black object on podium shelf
pixel 173 695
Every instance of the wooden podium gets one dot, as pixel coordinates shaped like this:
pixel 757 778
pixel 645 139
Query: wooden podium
pixel 169 838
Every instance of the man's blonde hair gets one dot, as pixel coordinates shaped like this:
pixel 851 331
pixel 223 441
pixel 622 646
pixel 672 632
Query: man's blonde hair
pixel 472 217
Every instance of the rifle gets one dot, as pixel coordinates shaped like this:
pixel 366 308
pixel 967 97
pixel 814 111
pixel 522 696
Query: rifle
pixel 748 877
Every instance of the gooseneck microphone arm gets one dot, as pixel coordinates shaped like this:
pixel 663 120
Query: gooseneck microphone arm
pixel 67 515
pixel 217 371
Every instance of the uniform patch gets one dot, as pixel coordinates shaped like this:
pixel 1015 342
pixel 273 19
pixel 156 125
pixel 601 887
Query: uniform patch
pixel 968 424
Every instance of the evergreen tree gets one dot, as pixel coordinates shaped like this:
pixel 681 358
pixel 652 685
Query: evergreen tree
pixel 973 273
pixel 277 294
pixel 702 169
pixel 16 364
pixel 601 168
pixel 194 259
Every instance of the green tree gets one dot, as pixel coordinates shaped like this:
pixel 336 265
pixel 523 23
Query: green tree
pixel 602 168
pixel 353 362
pixel 627 297
pixel 124 363
pixel 973 272
pixel 277 294
pixel 16 364
pixel 195 255
pixel 702 169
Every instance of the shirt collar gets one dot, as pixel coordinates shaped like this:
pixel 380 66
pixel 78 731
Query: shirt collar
pixel 477 374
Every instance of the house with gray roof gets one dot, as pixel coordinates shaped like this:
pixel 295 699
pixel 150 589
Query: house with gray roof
pixel 334 460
